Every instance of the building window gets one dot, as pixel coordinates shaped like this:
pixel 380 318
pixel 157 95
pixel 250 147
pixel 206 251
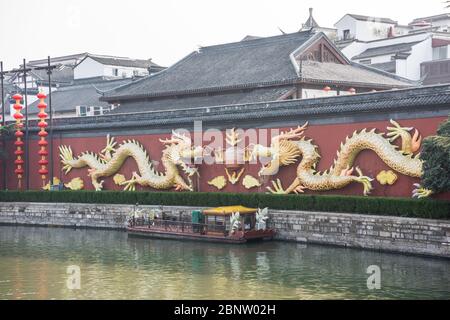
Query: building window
pixel 115 72
pixel 97 111
pixel 85 111
pixel 346 34
pixel 440 53
pixel 366 61
pixel 82 111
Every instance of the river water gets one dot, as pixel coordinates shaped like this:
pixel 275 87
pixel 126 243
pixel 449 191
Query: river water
pixel 34 265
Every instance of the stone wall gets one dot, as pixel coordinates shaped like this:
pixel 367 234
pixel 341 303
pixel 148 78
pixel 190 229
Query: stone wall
pixel 406 235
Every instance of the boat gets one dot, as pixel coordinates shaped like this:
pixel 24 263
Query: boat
pixel 232 224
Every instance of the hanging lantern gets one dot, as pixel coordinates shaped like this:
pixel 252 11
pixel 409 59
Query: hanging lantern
pixel 19 139
pixel 327 89
pixel 352 90
pixel 43 153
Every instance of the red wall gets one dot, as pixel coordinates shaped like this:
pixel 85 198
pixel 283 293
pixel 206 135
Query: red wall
pixel 327 137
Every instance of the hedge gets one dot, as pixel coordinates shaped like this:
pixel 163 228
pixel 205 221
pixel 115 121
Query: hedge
pixel 436 156
pixel 402 207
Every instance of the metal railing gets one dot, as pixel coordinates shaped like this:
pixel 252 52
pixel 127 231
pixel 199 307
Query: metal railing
pixel 177 226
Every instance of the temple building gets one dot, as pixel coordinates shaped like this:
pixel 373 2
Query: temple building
pixel 300 65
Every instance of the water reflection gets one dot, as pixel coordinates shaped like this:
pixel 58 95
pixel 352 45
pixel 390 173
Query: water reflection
pixel 33 264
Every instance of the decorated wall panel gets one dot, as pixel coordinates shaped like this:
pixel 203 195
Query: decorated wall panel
pixel 378 168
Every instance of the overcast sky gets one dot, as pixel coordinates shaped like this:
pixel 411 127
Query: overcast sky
pixel 167 30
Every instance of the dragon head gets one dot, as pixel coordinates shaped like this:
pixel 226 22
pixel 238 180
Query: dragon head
pixel 282 151
pixel 181 152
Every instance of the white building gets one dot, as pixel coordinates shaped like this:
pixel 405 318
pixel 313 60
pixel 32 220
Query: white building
pixel 74 71
pixel 93 66
pixel 439 23
pixel 384 44
pixel 363 28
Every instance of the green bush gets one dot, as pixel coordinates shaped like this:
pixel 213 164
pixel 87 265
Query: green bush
pixel 425 208
pixel 436 157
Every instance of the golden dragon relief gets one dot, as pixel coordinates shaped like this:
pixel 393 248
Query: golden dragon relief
pixel 178 152
pixel 288 147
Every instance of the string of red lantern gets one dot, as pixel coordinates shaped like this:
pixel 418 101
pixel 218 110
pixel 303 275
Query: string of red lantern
pixel 18 116
pixel 43 153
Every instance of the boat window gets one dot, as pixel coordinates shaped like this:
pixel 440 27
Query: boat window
pixel 248 222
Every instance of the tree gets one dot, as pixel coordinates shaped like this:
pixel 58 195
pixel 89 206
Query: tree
pixel 4 130
pixel 436 157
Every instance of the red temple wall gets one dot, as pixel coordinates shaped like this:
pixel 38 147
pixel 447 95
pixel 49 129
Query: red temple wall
pixel 327 137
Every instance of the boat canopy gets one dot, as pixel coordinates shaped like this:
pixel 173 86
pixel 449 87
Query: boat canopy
pixel 226 211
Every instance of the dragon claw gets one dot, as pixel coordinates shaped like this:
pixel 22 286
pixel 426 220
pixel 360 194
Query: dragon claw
pixel 416 141
pixel 347 172
pixel 299 189
pixel 130 185
pixel 277 187
pixel 396 131
pixel 106 153
pixel 365 181
pixel 98 185
pixel 420 192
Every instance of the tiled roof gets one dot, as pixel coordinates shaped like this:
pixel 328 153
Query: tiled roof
pixel 418 100
pixel 123 62
pixel 61 74
pixel 375 19
pixel 350 74
pixel 438 17
pixel 195 101
pixel 241 65
pixel 233 64
pixel 385 66
pixel 65 99
pixel 57 60
pixel 385 50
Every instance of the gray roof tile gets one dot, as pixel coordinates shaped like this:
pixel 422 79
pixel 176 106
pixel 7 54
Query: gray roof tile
pixel 246 64
pixel 351 74
pixel 123 62
pixel 195 101
pixel 385 50
pixel 65 99
pixel 368 18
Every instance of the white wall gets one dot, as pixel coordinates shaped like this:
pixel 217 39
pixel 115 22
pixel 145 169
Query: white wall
pixel 315 93
pixel 370 30
pixel 442 24
pixel 377 59
pixel 124 72
pixel 354 48
pixel 363 30
pixel 88 68
pixel 421 52
pixel 346 23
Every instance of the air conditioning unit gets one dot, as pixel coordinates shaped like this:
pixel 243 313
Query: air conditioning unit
pixel 85 111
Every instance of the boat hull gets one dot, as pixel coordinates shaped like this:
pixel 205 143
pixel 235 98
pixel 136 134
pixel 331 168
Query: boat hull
pixel 238 238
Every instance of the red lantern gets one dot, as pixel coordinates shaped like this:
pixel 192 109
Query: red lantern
pixel 327 89
pixel 19 142
pixel 352 90
pixel 43 162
